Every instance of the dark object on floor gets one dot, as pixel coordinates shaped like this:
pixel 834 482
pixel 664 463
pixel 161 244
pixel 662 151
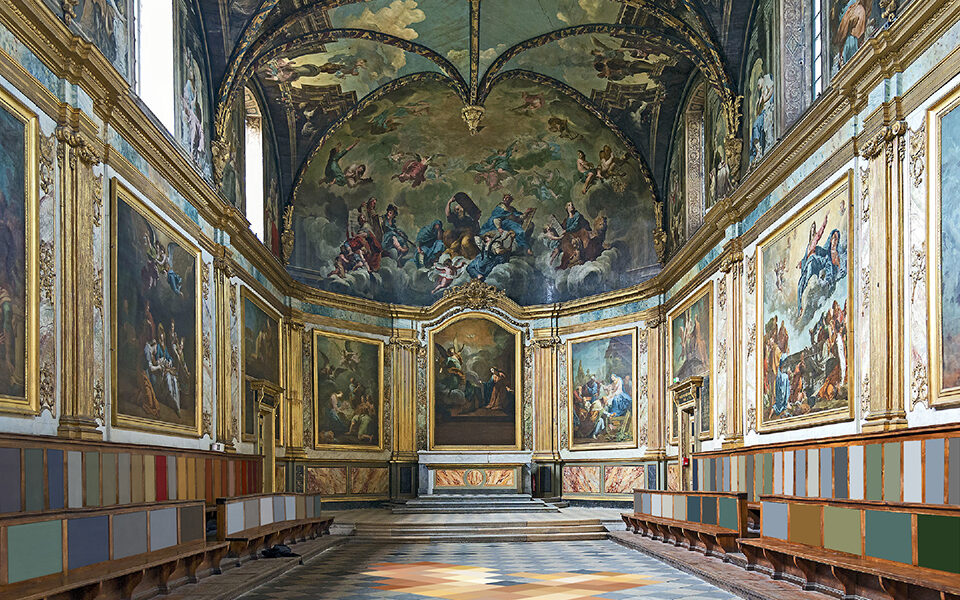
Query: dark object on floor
pixel 278 551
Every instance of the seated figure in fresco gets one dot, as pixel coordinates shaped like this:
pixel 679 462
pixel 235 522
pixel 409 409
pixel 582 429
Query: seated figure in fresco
pixel 396 243
pixel 430 244
pixel 464 218
pixel 365 232
pixel 496 250
pixel 506 217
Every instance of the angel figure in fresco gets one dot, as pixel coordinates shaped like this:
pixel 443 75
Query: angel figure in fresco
pixel 356 174
pixel 343 65
pixel 761 130
pixel 325 369
pixel 333 172
pixel 613 63
pixel 348 260
pixel 530 103
pixel 285 70
pixel 545 187
pixel 414 169
pixel 190 103
pixel 447 272
pixel 561 127
pixel 780 275
pixel 851 29
pixel 495 168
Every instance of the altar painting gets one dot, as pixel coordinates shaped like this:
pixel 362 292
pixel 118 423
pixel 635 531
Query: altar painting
pixel 601 376
pixel 804 332
pixel 348 387
pixel 474 384
pixel 156 360
pixel 691 339
pixel 261 352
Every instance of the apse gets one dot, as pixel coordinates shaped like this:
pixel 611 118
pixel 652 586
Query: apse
pixel 400 202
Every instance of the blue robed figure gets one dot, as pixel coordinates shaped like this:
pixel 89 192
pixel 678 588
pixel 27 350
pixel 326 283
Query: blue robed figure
pixel 430 244
pixel 505 216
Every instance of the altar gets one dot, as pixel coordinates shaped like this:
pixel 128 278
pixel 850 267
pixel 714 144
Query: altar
pixel 475 472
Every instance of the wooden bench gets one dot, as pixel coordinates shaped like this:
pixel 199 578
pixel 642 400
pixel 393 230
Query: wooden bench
pixel 251 523
pixel 708 522
pixel 104 553
pixel 874 550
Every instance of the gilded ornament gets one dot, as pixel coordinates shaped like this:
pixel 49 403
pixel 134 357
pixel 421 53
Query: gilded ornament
pixel 47 389
pixel 98 402
pixel 98 200
pixel 98 290
pixel 918 269
pixel 234 360
pixel 235 427
pixel 286 238
pixel 660 244
pixel 865 290
pixel 723 422
pixel 206 424
pixel 205 280
pixel 233 299
pixel 205 344
pixel 751 339
pixel 734 149
pixel 67 7
pixel 472 115
pixel 643 386
pixel 722 354
pixel 642 346
pixel 918 151
pixel 221 156
pixel 48 154
pixel 752 274
pixel 919 383
pixel 865 194
pixel 722 293
pixel 47 270
pixel 475 295
pixel 751 418
pixel 642 438
pixel 889 8
pixel 865 395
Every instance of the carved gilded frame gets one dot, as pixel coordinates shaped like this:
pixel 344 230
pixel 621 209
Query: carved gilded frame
pixel 246 294
pixel 317 334
pixel 29 404
pixel 632 332
pixel 518 383
pixel 706 290
pixel 842 187
pixel 118 193
pixel 940 396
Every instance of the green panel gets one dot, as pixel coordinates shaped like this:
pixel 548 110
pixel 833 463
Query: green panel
pixel 889 536
pixel 841 529
pixel 891 472
pixel 33 479
pixel 91 478
pixel 767 473
pixel 728 513
pixel 938 542
pixel 109 478
pixel 34 550
pixel 874 472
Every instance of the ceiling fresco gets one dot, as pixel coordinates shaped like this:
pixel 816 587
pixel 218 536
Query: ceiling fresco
pixel 545 202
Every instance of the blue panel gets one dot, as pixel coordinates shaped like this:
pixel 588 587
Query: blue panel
pixel 88 541
pixel 773 518
pixel 55 478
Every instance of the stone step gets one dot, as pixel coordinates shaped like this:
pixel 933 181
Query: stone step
pixel 365 525
pixel 491 537
pixel 467 530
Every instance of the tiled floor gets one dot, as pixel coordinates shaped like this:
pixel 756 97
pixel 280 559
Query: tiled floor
pixel 597 570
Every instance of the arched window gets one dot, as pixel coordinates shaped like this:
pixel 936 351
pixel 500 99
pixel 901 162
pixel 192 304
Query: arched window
pixel 155 58
pixel 253 170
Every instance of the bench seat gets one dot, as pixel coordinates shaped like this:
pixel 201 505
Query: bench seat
pixel 830 571
pixel 709 539
pixel 251 541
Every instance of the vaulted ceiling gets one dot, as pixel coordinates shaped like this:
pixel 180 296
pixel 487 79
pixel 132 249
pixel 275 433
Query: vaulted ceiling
pixel 315 63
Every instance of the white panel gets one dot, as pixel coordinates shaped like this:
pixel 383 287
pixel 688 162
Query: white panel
pixel 234 517
pixel 291 507
pixel 856 472
pixel 266 510
pixel 912 472
pixel 657 509
pixel 788 458
pixel 813 472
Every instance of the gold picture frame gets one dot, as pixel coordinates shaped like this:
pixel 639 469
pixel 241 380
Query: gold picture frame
pixel 272 313
pixel 29 403
pixel 940 396
pixel 841 187
pixel 317 334
pixel 518 383
pixel 632 332
pixel 119 192
pixel 696 296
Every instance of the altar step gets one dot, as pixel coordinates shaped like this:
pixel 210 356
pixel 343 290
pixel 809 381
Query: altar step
pixel 473 504
pixel 535 531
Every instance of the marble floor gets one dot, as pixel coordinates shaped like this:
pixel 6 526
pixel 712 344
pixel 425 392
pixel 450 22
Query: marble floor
pixel 597 570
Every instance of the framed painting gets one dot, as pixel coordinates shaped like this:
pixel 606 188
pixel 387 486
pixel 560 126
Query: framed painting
pixel 19 299
pixel 475 384
pixel 347 392
pixel 690 348
pixel 260 349
pixel 943 274
pixel 602 401
pixel 155 297
pixel 804 325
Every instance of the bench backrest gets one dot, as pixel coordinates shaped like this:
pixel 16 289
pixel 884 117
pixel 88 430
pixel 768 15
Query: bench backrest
pixel 235 516
pixel 44 547
pixel 912 535
pixel 49 475
pixel 720 509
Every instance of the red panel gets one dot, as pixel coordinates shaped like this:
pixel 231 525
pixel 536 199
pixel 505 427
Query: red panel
pixel 161 478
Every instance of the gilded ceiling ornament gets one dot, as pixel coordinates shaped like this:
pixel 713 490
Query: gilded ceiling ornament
pixel 889 8
pixel 48 153
pixel 47 389
pixel 67 7
pixel 734 148
pixel 286 238
pixel 660 243
pixel 47 270
pixel 919 383
pixel 206 424
pixel 918 268
pixel 918 150
pixel 472 115
pixel 475 295
pixel 98 402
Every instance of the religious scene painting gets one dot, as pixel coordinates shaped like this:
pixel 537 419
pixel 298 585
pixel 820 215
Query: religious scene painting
pixel 348 380
pixel 105 23
pixel 232 180
pixel 944 292
pixel 603 403
pixel 719 183
pixel 156 360
pixel 852 23
pixel 192 100
pixel 804 330
pixel 762 75
pixel 261 352
pixel 691 342
pixel 676 183
pixel 544 202
pixel 475 387
pixel 17 210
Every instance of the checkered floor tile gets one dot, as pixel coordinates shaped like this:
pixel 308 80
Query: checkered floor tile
pixel 589 570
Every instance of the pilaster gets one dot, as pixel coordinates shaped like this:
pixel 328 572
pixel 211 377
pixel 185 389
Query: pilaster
pixel 223 272
pixel 404 380
pixel 732 268
pixel 546 444
pixel 293 394
pixel 656 385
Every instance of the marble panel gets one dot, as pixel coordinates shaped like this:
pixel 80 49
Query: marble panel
pixel 369 480
pixel 329 481
pixel 622 479
pixel 581 480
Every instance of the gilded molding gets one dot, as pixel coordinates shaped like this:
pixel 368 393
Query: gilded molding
pixel 287 237
pixel 752 274
pixel 48 270
pixel 98 290
pixel 865 193
pixel 918 150
pixel 48 156
pixel 205 279
pixel 919 386
pixel 48 389
pixel 98 401
pixel 97 200
pixel 206 424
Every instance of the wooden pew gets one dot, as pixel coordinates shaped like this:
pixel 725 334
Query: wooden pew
pixel 104 553
pixel 874 550
pixel 708 522
pixel 257 521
